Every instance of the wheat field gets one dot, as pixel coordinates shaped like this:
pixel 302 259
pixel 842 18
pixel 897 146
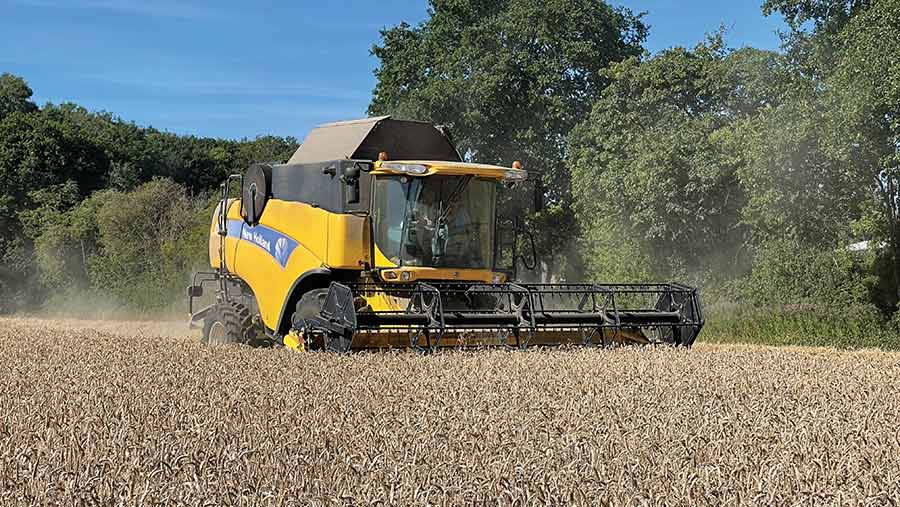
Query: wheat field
pixel 140 414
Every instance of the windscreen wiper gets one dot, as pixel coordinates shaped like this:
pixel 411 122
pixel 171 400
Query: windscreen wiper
pixel 454 197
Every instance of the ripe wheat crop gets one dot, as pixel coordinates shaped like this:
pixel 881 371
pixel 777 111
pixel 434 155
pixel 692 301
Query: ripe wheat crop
pixel 132 416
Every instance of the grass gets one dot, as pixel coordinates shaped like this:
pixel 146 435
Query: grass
pixel 848 329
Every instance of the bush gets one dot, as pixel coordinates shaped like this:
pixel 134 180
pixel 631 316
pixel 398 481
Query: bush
pixel 145 238
pixel 135 250
pixel 802 296
pixel 858 328
pixel 789 275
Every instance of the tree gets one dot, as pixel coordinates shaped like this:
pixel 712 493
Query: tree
pixel 840 128
pixel 265 149
pixel 137 154
pixel 37 152
pixel 656 163
pixel 137 248
pixel 15 96
pixel 863 93
pixel 824 15
pixel 511 78
pixel 797 187
pixel 64 230
pixel 148 244
pixel 59 168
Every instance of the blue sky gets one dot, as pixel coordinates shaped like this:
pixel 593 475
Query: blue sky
pixel 221 68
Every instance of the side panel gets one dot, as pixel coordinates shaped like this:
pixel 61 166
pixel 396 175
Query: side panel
pixel 215 241
pixel 348 242
pixel 307 224
pixel 291 239
pixel 321 185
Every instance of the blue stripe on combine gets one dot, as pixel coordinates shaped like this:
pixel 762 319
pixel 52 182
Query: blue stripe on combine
pixel 276 244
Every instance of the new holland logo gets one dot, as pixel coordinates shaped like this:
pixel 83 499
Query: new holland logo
pixel 281 251
pixel 277 245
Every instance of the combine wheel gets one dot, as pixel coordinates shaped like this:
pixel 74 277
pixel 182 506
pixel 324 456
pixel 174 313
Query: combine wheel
pixel 228 323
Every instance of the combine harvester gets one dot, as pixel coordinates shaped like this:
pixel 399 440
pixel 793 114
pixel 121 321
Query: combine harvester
pixel 376 234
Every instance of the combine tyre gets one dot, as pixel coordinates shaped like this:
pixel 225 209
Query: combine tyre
pixel 228 323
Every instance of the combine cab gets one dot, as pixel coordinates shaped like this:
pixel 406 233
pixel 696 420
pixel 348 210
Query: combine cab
pixel 376 234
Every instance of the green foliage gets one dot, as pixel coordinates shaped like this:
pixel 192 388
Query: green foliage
pixel 36 152
pixel 144 237
pixel 796 185
pixel 67 238
pixel 511 78
pixel 655 165
pixel 823 14
pixel 15 96
pixel 137 155
pixel 787 274
pixel 137 248
pixel 780 327
pixel 799 295
pixel 612 254
pixel 863 92
pixel 750 172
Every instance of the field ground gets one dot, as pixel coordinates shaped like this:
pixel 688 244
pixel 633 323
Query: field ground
pixel 139 413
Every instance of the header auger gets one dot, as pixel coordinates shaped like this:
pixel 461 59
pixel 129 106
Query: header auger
pixel 376 234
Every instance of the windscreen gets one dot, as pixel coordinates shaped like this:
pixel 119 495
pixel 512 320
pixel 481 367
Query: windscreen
pixel 435 221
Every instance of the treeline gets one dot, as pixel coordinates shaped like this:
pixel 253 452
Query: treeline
pixel 98 212
pixel 768 178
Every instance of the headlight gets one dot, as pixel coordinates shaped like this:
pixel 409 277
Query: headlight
pixel 405 168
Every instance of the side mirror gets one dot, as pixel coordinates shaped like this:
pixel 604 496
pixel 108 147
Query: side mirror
pixel 350 177
pixel 195 291
pixel 538 196
pixel 528 257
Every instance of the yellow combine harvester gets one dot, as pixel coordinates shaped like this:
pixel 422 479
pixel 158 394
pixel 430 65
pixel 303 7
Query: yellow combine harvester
pixel 376 234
